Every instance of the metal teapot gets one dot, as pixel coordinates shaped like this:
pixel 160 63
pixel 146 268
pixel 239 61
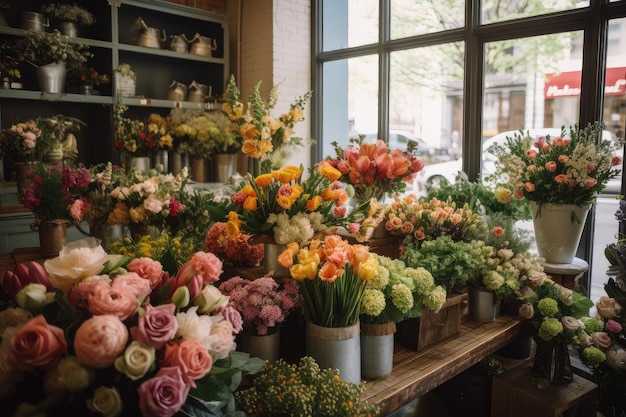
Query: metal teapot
pixel 179 43
pixel 35 22
pixel 177 91
pixel 198 93
pixel 146 36
pixel 202 45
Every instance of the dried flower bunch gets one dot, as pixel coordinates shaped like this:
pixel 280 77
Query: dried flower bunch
pixel 71 13
pixel 302 389
pixel 43 48
pixel 262 302
pixel 21 142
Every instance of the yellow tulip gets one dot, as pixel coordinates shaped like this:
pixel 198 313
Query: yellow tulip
pixel 264 180
pixel 367 270
pixel 250 203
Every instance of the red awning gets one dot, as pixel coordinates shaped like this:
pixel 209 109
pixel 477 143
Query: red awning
pixel 567 84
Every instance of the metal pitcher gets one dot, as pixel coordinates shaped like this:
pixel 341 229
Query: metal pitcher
pixel 146 36
pixel 197 93
pixel 35 22
pixel 179 43
pixel 202 45
pixel 177 91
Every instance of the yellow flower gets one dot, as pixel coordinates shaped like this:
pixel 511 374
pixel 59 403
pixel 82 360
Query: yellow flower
pixel 287 174
pixel 328 171
pixel 299 271
pixel 264 180
pixel 314 203
pixel 250 203
pixel 233 225
pixel 367 269
pixel 284 201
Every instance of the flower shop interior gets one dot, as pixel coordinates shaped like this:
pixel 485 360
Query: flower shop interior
pixel 312 208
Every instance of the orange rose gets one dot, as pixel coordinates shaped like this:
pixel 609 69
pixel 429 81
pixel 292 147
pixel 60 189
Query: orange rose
pixel 191 357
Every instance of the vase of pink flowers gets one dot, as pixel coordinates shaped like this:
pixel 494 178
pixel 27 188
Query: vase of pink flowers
pixel 264 304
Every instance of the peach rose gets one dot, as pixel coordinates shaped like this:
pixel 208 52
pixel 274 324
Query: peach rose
pixel 191 357
pixel 608 308
pixel 526 311
pixel 570 323
pixel 37 345
pixel 99 340
pixel 601 340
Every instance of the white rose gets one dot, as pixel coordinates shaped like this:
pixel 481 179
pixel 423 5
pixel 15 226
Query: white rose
pixel 570 323
pixel 106 401
pixel 210 300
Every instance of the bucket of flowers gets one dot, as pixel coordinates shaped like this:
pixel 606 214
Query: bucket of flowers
pixel 86 78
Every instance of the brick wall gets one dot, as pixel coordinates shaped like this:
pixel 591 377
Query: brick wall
pixel 215 6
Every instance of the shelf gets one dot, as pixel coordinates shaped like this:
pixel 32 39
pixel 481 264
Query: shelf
pixel 170 54
pixel 55 97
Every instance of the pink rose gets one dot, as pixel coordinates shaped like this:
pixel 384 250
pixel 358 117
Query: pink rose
pixel 613 326
pixel 601 340
pixel 99 340
pixel 191 357
pixel 147 268
pixel 157 326
pixel 222 340
pixel 234 317
pixel 136 284
pixel 37 344
pixel 164 394
pixel 107 300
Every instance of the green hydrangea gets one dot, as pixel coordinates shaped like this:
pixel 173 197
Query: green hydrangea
pixel 548 307
pixel 381 279
pixel 373 302
pixel 435 299
pixel 550 328
pixel 421 279
pixel 593 357
pixel 402 297
pixel 591 324
pixel 493 280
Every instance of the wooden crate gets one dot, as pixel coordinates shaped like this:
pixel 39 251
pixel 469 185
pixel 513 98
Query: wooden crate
pixel 432 327
pixel 514 394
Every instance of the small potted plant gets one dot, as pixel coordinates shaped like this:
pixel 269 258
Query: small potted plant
pixel 86 78
pixel 68 17
pixel 125 80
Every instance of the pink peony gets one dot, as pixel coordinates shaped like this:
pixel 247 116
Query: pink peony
pixel 157 326
pixel 205 264
pixel 133 283
pixel 37 345
pixel 79 293
pixel 164 394
pixel 99 340
pixel 107 300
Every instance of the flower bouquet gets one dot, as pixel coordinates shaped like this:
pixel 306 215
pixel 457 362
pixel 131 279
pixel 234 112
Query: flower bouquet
pixel 202 134
pixel 569 169
pixel 552 314
pixel 83 75
pixel 43 48
pixel 265 138
pixel 157 131
pixel 71 13
pixel 263 303
pixel 302 389
pixel 234 251
pixel 147 198
pixel 83 335
pixel 21 142
pixel 332 277
pixel 373 169
pixel 283 208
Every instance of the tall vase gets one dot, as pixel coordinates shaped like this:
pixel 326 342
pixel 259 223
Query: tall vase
pixel 270 260
pixel 336 348
pixel 481 305
pixel 377 341
pixel 51 77
pixel 175 162
pixel 552 363
pixel 162 157
pixel 140 163
pixel 556 235
pixel 266 347
pixel 52 236
pixel 224 166
pixel 198 169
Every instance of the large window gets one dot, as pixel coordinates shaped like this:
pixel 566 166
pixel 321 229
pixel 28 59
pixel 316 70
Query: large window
pixel 455 74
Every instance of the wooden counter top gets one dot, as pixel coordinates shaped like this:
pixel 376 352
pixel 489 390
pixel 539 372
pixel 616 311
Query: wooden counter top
pixel 416 373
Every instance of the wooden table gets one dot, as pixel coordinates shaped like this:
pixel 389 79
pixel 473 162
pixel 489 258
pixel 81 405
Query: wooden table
pixel 416 373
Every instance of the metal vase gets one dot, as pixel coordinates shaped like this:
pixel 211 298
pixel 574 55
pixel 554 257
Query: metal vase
pixel 377 342
pixel 51 77
pixel 270 260
pixel 162 158
pixel 336 348
pixel 140 163
pixel 198 169
pixel 266 347
pixel 481 305
pixel 52 236
pixel 224 166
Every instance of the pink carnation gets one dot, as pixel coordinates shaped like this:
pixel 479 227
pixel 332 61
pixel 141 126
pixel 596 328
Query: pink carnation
pixel 137 285
pixel 205 264
pixel 147 268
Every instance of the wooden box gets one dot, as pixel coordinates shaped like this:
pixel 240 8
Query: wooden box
pixel 431 327
pixel 514 394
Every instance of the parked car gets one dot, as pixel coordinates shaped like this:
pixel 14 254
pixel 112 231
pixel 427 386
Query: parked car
pixel 432 175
